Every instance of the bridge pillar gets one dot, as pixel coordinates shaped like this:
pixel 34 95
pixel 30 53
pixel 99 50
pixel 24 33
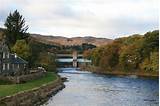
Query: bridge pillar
pixel 75 62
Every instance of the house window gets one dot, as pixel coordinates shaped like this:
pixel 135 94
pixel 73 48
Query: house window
pixel 3 55
pixel 8 55
pixel 12 66
pixel 3 66
pixel 24 65
pixel 18 65
pixel 8 66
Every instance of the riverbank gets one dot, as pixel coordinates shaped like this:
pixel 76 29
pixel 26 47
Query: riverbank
pixel 30 93
pixel 120 73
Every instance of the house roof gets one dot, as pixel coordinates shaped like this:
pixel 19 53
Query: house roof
pixel 14 59
pixel 18 60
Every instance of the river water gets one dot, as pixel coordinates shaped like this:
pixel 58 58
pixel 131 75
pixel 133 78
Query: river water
pixel 88 89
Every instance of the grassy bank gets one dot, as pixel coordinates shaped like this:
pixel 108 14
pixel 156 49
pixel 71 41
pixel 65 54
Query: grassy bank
pixel 137 73
pixel 119 72
pixel 10 89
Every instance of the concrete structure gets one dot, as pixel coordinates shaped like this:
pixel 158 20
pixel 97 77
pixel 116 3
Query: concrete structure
pixel 71 60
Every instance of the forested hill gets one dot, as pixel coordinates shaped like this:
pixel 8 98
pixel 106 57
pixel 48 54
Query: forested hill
pixel 136 52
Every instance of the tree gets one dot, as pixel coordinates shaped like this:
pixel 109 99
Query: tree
pixel 86 46
pixel 124 41
pixel 96 55
pixel 22 49
pixel 151 43
pixel 46 60
pixel 130 57
pixel 110 57
pixel 152 63
pixel 87 54
pixel 15 28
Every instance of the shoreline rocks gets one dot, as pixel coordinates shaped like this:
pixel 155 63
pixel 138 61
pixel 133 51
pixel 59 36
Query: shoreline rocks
pixel 64 79
pixel 33 97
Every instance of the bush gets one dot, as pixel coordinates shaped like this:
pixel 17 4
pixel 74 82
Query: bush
pixel 46 60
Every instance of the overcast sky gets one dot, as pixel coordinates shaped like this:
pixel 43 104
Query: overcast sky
pixel 70 18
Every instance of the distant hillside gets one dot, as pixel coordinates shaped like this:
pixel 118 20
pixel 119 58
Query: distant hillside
pixel 59 40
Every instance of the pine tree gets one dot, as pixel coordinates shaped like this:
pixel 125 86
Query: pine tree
pixel 15 28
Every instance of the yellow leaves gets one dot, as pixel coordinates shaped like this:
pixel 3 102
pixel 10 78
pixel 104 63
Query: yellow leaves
pixel 22 49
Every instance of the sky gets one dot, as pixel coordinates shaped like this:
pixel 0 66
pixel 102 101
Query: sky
pixel 72 18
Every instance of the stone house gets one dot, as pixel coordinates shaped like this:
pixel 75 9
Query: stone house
pixel 11 64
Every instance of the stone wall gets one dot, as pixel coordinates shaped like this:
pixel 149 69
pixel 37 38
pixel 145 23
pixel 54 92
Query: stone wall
pixel 33 97
pixel 23 78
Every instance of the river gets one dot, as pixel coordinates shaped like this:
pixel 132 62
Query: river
pixel 89 89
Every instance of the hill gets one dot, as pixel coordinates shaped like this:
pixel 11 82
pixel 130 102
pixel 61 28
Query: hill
pixel 64 41
pixel 60 40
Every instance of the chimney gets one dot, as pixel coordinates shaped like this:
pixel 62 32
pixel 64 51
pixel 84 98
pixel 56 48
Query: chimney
pixel 15 56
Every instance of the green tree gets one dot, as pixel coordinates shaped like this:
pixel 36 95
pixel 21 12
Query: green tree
pixel 46 60
pixel 86 46
pixel 152 63
pixel 151 43
pixel 124 41
pixel 96 55
pixel 130 57
pixel 22 49
pixel 15 28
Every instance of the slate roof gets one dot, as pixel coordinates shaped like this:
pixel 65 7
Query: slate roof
pixel 18 60
pixel 13 59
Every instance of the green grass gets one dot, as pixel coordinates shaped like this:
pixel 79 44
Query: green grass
pixel 4 82
pixel 10 89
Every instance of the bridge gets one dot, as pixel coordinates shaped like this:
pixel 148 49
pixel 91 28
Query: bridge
pixel 69 55
pixel 71 60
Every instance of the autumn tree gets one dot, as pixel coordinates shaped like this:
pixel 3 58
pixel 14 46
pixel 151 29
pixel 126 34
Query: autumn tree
pixel 130 57
pixel 110 57
pixel 87 54
pixel 22 49
pixel 136 52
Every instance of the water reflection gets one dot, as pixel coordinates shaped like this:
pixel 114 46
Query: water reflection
pixel 87 89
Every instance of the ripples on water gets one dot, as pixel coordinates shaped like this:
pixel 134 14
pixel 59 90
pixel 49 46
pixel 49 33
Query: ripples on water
pixel 88 89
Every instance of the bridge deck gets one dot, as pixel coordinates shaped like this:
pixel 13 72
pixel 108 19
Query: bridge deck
pixel 71 60
pixel 68 55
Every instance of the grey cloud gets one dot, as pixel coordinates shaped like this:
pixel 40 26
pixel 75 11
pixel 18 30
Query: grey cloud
pixel 102 18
